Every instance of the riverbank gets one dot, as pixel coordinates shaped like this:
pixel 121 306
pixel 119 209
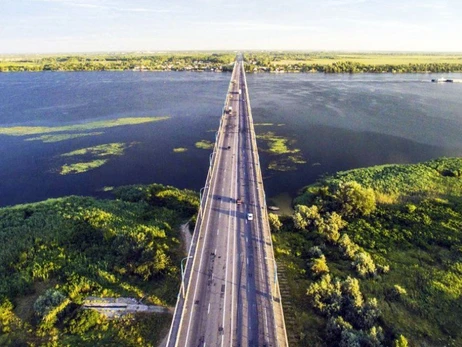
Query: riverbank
pixel 373 257
pixel 57 253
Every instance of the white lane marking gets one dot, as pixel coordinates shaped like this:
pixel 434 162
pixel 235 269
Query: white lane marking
pixel 218 231
pixel 215 251
pixel 246 239
pixel 266 320
pixel 208 310
pixel 247 261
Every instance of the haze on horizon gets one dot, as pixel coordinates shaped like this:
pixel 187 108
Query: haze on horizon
pixel 53 26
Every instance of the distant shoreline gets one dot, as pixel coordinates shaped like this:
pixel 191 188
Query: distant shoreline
pixel 256 62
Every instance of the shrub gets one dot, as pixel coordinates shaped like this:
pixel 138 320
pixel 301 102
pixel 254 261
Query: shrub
pixel 319 265
pixel 401 341
pixel 274 222
pixel 305 216
pixel 348 247
pixel 364 264
pixel 47 302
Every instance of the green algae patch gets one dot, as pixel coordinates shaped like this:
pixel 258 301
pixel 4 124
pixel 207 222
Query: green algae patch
pixel 108 149
pixel 77 168
pixel 86 159
pixel 180 150
pixel 31 130
pixel 204 144
pixel 278 144
pixel 61 137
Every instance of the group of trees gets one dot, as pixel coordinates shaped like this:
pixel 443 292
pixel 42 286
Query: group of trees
pixel 337 63
pixel 75 247
pixel 155 62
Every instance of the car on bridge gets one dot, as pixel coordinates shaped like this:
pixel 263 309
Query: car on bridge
pixel 249 216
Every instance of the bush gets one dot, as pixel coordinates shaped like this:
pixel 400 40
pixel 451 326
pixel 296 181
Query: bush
pixel 274 222
pixel 47 302
pixel 401 341
pixel 364 264
pixel 305 216
pixel 319 265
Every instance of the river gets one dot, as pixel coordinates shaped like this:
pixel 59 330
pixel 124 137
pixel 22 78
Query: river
pixel 315 123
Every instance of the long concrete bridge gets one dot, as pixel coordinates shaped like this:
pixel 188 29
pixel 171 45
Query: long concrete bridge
pixel 230 294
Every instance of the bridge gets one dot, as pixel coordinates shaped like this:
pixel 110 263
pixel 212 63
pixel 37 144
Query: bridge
pixel 229 294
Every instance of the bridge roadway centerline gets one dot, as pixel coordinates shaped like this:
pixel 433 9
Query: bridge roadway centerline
pixel 228 279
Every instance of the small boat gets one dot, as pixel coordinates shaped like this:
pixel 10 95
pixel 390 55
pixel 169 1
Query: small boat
pixel 273 208
pixel 442 80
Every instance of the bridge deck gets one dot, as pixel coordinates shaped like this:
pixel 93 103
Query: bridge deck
pixel 231 292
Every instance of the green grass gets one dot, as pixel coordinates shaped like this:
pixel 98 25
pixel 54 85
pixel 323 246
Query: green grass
pixel 204 144
pixel 416 229
pixel 33 130
pixel 83 247
pixel 61 137
pixel 180 150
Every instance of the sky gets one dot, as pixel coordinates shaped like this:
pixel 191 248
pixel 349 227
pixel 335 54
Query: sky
pixel 55 26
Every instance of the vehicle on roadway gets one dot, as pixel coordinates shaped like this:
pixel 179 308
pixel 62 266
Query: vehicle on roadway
pixel 239 201
pixel 249 216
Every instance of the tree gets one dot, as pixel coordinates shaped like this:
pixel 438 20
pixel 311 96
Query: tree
pixel 354 200
pixel 331 225
pixel 305 216
pixel 274 222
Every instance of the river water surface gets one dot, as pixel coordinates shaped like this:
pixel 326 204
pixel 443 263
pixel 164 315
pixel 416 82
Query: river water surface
pixel 325 122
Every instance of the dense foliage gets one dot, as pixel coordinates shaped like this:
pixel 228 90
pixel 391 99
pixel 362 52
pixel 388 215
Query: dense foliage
pixel 351 63
pixel 148 62
pixel 373 257
pixel 56 253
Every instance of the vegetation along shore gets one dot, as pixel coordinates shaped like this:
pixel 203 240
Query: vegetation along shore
pixel 327 62
pixel 370 257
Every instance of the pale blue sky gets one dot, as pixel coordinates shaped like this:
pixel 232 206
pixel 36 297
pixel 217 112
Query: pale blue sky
pixel 46 26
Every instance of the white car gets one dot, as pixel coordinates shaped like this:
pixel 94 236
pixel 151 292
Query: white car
pixel 249 216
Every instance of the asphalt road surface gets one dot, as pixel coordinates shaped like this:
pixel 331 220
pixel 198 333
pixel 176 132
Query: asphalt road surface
pixel 230 296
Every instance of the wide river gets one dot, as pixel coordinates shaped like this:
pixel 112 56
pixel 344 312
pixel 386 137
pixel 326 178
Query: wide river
pixel 315 124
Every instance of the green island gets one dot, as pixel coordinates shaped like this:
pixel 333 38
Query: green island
pixel 373 257
pixel 58 252
pixel 343 62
